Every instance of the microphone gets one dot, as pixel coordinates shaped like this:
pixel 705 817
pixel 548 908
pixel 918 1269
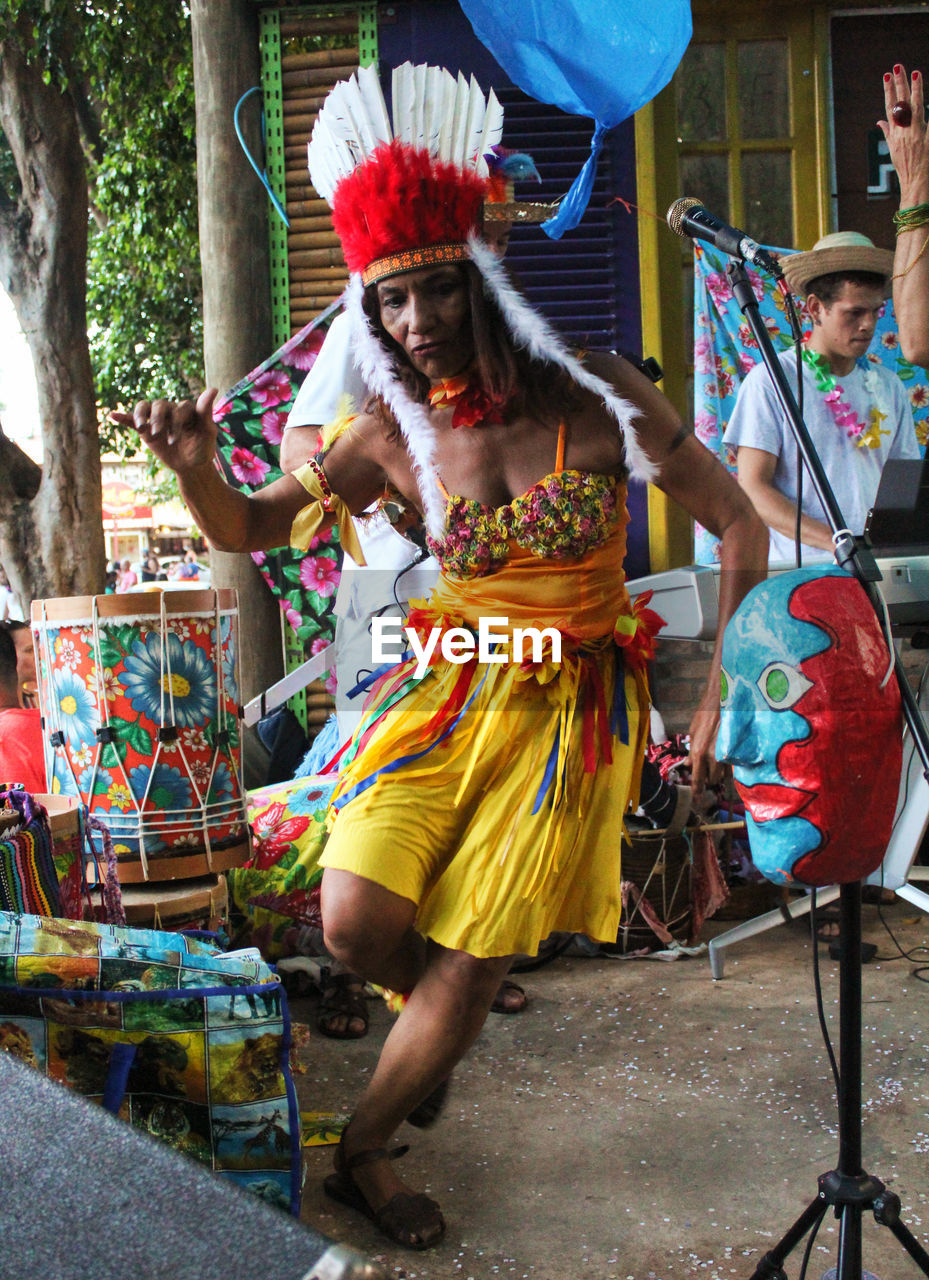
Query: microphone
pixel 688 217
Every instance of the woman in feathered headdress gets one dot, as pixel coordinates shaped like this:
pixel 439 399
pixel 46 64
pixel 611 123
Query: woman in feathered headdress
pixel 480 804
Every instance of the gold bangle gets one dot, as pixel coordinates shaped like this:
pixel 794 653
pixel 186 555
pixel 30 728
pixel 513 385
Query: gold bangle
pixel 898 275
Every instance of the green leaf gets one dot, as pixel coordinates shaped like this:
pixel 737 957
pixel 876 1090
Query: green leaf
pixel 138 738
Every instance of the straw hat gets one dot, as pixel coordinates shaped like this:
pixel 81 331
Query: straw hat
pixel 840 251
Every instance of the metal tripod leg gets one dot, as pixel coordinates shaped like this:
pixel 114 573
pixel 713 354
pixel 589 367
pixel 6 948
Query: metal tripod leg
pixel 771 1266
pixel 848 1189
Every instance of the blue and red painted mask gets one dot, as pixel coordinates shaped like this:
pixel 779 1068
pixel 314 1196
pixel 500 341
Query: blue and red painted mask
pixel 812 727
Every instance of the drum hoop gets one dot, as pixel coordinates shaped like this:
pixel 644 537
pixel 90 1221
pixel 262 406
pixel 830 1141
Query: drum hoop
pixel 79 610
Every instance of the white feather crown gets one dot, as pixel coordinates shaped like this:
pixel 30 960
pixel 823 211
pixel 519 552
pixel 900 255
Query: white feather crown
pixel 433 111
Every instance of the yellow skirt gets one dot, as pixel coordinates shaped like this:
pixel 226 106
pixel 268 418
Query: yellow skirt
pixel 493 797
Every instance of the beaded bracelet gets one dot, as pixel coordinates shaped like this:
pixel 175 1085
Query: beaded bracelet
pixel 909 219
pixel 323 482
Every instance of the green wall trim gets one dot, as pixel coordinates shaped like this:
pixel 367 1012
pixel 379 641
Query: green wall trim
pixel 272 97
pixel 273 106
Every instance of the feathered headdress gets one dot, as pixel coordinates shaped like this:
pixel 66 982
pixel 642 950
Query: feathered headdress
pixel 411 195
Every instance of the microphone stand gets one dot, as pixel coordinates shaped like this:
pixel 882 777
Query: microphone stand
pixel 848 1188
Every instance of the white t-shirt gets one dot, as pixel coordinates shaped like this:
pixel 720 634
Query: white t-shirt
pixel 364 590
pixel 333 375
pixel 9 606
pixel 759 422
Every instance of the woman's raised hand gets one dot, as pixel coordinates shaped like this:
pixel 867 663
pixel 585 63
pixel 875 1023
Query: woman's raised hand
pixel 182 434
pixel 906 133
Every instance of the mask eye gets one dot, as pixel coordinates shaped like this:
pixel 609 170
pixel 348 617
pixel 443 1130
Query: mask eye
pixel 723 687
pixel 782 685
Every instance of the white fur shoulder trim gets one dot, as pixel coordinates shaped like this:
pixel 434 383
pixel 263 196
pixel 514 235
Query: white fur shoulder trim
pixel 534 332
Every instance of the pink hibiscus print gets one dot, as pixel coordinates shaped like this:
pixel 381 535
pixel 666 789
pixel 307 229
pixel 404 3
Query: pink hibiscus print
pixel 259 557
pixel 303 355
pixel 271 388
pixel 272 425
pixel 274 833
pixel 320 574
pixel 320 539
pixel 318 645
pixel 705 426
pixel 719 288
pixel 756 282
pixel 703 353
pixel 746 362
pixel 291 614
pixel 246 468
pixel 746 337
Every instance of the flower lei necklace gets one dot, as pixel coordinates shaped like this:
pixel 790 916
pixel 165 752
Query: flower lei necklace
pixel 471 405
pixel 865 434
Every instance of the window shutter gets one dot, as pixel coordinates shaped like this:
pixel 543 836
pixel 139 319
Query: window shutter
pixel 579 281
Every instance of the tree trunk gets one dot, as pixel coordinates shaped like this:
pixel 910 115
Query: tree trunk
pixel 55 543
pixel 236 290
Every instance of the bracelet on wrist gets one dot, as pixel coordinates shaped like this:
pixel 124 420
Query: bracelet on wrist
pixel 909 219
pixel 323 482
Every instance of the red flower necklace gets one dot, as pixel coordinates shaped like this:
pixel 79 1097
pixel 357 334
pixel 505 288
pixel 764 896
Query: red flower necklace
pixel 471 405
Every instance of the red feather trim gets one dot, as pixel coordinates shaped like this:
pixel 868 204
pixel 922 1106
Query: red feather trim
pixel 401 198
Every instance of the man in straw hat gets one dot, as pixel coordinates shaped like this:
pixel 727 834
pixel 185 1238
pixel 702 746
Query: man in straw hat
pixel 857 412
pixel 479 805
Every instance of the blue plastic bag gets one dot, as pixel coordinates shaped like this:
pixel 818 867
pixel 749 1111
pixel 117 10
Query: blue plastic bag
pixel 597 58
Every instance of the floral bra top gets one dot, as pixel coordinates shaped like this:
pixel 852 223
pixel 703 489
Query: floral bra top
pixel 562 516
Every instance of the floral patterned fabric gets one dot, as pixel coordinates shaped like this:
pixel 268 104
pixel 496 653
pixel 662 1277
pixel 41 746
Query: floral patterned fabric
pixel 251 418
pixel 561 517
pixel 141 722
pixel 276 896
pixel 725 350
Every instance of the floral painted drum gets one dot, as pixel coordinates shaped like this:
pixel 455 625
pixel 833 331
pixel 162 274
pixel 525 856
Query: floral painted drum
pixel 139 699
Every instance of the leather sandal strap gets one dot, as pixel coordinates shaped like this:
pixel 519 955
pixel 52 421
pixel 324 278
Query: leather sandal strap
pixel 374 1153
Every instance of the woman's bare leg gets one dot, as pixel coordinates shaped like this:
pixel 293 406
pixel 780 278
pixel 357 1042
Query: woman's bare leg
pixel 371 930
pixel 441 1020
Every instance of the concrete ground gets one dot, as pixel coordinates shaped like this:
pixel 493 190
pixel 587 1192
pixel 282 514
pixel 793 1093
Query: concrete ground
pixel 639 1120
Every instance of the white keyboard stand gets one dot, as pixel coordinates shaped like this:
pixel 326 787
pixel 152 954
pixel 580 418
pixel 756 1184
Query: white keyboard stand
pixel 895 872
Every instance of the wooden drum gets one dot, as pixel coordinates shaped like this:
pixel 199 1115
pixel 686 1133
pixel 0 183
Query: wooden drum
pixel 657 905
pixel 180 904
pixel 139 698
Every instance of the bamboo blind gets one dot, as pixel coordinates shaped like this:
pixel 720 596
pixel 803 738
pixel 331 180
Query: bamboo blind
pixel 315 53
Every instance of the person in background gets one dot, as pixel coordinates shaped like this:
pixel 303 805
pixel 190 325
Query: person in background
pixel 908 143
pixel 151 569
pixel 21 751
pixel 857 412
pixel 25 662
pixel 189 569
pixel 126 578
pixel 9 605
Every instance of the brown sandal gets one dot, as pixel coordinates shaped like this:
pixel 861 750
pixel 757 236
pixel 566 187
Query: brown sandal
pixel 342 995
pixel 510 998
pixel 411 1220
